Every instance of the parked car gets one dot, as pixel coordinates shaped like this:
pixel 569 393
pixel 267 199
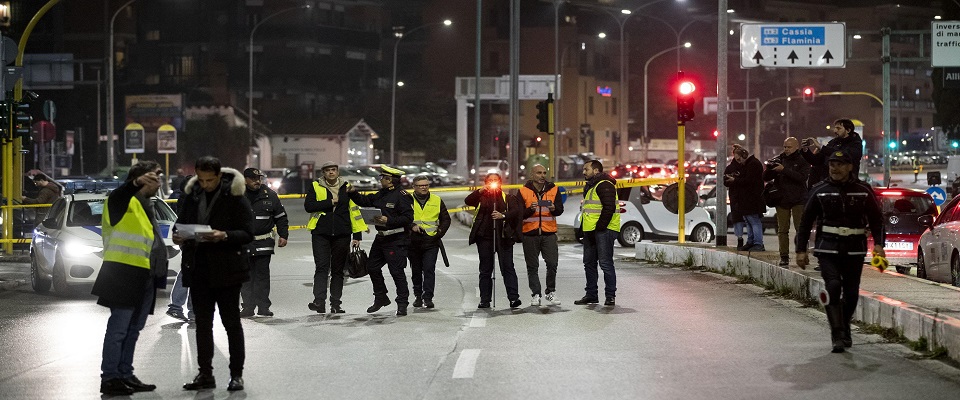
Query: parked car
pixel 67 248
pixel 492 166
pixel 644 217
pixel 273 177
pixel 901 210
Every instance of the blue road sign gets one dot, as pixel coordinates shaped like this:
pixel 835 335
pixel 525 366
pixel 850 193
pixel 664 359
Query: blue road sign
pixel 939 195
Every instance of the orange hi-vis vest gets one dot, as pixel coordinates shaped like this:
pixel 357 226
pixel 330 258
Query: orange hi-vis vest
pixel 541 219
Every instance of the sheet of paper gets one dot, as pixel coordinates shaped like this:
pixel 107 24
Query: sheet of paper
pixel 193 231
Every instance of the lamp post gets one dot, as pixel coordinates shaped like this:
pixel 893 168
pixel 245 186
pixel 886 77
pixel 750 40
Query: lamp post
pixel 646 90
pixel 398 32
pixel 250 91
pixel 111 162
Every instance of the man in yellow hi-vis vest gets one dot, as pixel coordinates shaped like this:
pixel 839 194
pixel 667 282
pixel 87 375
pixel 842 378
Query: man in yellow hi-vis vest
pixel 601 225
pixel 430 222
pixel 134 266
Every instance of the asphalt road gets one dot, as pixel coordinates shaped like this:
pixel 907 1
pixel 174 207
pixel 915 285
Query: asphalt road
pixel 674 334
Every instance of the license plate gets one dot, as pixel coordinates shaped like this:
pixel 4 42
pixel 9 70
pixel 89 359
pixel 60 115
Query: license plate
pixel 899 246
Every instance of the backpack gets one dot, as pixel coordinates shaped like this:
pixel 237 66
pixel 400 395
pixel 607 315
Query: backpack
pixel 771 194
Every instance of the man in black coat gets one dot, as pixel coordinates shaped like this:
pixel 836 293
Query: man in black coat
pixel 789 170
pixel 496 228
pixel 847 141
pixel 744 177
pixel 215 262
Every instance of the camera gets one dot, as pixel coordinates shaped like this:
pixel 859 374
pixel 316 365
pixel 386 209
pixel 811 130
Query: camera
pixel 774 161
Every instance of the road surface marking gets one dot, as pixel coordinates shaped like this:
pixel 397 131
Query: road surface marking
pixel 477 321
pixel 466 364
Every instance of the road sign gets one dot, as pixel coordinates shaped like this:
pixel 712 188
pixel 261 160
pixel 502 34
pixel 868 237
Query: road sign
pixel 133 140
pixel 797 45
pixel 939 195
pixel 167 139
pixel 945 43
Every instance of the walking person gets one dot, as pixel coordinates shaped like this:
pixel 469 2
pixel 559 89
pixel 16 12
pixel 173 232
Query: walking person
pixel 541 207
pixel 601 226
pixel 267 213
pixel 334 219
pixel 847 141
pixel 390 246
pixel 430 222
pixel 744 177
pixel 496 227
pixel 843 207
pixel 134 267
pixel 215 262
pixel 789 170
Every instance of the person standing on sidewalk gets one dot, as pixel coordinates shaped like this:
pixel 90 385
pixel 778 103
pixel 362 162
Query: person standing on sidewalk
pixel 843 207
pixel 390 246
pixel 496 225
pixel 334 218
pixel 540 232
pixel 847 141
pixel 267 213
pixel 601 226
pixel 430 222
pixel 134 267
pixel 744 177
pixel 789 171
pixel 216 263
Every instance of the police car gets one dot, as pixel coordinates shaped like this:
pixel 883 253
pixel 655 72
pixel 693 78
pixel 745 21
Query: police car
pixel 67 248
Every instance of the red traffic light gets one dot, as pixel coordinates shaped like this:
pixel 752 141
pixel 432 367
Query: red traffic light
pixel 716 133
pixel 808 94
pixel 539 139
pixel 686 88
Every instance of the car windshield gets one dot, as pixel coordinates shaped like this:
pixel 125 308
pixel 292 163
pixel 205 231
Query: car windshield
pixel 85 213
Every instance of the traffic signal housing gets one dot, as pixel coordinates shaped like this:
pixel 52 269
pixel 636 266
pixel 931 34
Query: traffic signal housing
pixel 808 94
pixel 22 121
pixel 686 90
pixel 5 113
pixel 545 115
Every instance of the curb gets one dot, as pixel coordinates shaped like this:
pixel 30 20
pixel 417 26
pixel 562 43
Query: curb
pixel 911 321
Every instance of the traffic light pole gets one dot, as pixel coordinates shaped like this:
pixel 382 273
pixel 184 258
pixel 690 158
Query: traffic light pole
pixel 681 183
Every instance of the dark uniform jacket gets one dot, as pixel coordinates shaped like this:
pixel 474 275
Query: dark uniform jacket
pixel 424 241
pixel 850 204
pixel 395 204
pixel 852 145
pixel 509 228
pixel 792 181
pixel 222 263
pixel 267 213
pixel 746 190
pixel 122 285
pixel 336 219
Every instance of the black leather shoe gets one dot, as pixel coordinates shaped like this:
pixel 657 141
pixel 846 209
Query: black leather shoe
pixel 484 304
pixel 586 300
pixel 428 303
pixel 401 311
pixel 134 383
pixel 246 313
pixel 201 381
pixel 115 387
pixel 336 310
pixel 515 303
pixel 236 383
pixel 838 347
pixel 317 307
pixel 265 313
pixel 418 302
pixel 378 304
pixel 611 301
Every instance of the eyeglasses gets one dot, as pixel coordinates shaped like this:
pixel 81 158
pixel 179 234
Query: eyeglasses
pixel 422 186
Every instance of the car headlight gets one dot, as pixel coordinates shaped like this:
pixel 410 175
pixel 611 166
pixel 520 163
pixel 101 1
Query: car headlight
pixel 78 249
pixel 275 185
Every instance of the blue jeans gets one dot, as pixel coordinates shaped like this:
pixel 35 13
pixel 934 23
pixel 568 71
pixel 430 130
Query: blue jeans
pixel 755 233
pixel 179 296
pixel 123 330
pixel 598 249
pixel 738 229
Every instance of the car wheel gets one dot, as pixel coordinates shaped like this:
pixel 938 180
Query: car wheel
pixel 921 267
pixel 955 270
pixel 39 282
pixel 630 234
pixel 60 279
pixel 903 270
pixel 701 234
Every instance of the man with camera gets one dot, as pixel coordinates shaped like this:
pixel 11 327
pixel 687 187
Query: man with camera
pixel 789 171
pixel 744 177
pixel 847 141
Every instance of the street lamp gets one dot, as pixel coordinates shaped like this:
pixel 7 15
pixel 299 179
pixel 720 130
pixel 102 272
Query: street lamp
pixel 250 91
pixel 398 32
pixel 646 90
pixel 110 118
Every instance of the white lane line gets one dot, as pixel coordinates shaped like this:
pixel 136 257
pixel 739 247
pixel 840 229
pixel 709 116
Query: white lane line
pixel 477 321
pixel 477 291
pixel 466 364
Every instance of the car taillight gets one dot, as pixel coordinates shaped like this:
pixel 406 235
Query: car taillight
pixel 891 193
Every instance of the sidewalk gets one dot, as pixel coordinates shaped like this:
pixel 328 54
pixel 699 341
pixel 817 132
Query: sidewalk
pixel 914 307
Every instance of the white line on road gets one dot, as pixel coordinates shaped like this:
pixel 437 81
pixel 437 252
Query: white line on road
pixel 477 321
pixel 466 364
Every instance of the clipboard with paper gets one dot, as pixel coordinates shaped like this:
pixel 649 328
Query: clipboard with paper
pixel 369 213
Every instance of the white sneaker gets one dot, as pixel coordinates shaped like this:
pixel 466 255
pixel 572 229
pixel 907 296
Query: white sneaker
pixel 552 297
pixel 535 300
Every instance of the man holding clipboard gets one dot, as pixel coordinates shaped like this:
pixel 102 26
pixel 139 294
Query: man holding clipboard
pixel 540 232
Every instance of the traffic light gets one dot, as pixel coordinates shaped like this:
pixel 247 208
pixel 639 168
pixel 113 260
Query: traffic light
pixel 536 141
pixel 892 144
pixel 685 98
pixel 5 121
pixel 955 144
pixel 808 94
pixel 716 133
pixel 22 120
pixel 545 114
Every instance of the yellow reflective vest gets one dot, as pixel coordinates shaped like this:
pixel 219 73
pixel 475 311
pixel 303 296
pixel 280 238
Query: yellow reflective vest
pixel 592 208
pixel 427 217
pixel 131 239
pixel 356 220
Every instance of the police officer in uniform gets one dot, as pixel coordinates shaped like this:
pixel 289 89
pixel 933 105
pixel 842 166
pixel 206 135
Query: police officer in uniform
pixel 430 222
pixel 390 245
pixel 843 208
pixel 267 213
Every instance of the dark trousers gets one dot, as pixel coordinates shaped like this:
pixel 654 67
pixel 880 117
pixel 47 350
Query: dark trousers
pixel 841 276
pixel 227 300
pixel 256 291
pixel 330 256
pixel 598 249
pixel 423 266
pixel 392 253
pixel 533 246
pixel 504 253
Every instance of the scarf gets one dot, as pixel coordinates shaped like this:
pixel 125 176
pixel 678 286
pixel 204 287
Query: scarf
pixel 334 188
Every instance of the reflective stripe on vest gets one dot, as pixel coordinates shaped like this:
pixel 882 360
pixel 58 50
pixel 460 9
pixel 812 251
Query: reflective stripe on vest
pixel 131 239
pixel 356 220
pixel 428 217
pixel 541 219
pixel 592 208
